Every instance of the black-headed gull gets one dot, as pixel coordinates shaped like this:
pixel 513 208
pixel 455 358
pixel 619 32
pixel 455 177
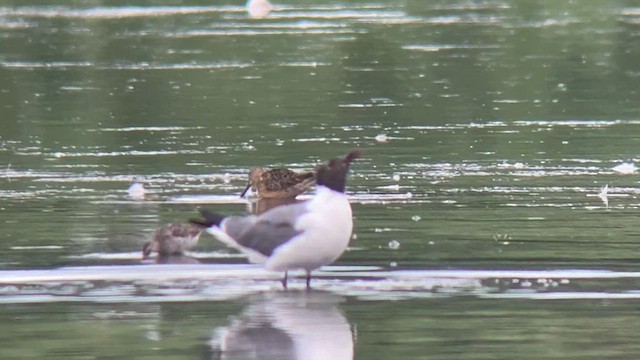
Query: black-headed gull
pixel 305 235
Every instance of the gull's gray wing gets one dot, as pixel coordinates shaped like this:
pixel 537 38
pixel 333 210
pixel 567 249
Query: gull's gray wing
pixel 272 229
pixel 235 226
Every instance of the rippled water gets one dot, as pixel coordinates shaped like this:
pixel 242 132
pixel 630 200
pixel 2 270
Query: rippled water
pixel 490 218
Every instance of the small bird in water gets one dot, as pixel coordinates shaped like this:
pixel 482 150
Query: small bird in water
pixel 172 239
pixel 278 183
pixel 258 9
pixel 304 235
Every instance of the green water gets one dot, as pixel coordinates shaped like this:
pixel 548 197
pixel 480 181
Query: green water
pixel 503 119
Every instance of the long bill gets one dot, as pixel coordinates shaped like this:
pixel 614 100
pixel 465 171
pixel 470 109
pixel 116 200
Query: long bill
pixel 245 190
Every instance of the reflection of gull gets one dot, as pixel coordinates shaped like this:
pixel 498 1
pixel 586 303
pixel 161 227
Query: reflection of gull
pixel 625 168
pixel 259 8
pixel 292 325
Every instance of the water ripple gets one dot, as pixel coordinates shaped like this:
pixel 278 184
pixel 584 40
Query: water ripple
pixel 111 12
pixel 169 283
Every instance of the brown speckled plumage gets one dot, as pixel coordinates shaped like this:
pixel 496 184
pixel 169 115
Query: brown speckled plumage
pixel 173 239
pixel 279 183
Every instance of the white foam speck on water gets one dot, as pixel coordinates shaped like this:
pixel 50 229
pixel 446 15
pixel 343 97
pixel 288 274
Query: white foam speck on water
pixel 393 245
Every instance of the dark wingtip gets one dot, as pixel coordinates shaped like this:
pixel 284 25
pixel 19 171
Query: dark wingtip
pixel 210 219
pixel 352 156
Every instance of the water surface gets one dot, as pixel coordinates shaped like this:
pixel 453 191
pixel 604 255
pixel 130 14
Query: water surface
pixel 482 230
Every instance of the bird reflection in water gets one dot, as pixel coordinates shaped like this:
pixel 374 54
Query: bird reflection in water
pixel 176 259
pixel 286 325
pixel 259 206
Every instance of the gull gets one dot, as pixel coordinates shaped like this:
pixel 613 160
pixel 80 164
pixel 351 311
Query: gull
pixel 305 235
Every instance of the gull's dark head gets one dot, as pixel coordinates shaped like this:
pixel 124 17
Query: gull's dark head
pixel 333 174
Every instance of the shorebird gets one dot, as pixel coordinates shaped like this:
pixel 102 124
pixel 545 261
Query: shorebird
pixel 278 183
pixel 258 9
pixel 305 235
pixel 172 239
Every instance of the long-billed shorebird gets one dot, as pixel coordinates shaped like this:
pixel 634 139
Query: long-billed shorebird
pixel 172 239
pixel 305 235
pixel 278 183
